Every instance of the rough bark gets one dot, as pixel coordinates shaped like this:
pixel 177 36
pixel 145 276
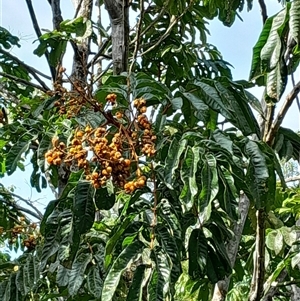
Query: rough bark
pixel 221 287
pixel 118 11
pixel 81 51
pixel 257 284
pixel 295 296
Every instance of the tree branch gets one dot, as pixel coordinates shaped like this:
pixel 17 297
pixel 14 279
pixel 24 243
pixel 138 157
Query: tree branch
pixel 20 208
pixel 56 13
pixel 138 37
pixel 257 282
pixel 27 202
pixel 174 20
pixel 23 81
pixel 30 69
pixel 39 33
pixel 99 53
pixel 263 10
pixel 281 114
pixel 78 8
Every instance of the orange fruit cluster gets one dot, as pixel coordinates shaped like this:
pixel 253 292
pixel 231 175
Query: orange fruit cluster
pixel 110 151
pixel 56 155
pixel 148 138
pixel 135 184
pixel 111 98
pixel 77 153
pixel 109 155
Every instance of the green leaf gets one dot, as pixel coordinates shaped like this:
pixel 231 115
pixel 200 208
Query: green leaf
pixel 256 61
pixel 210 96
pixel 271 51
pixel 197 252
pixel 210 187
pixel 172 161
pixel 257 173
pixel 15 155
pixel 84 208
pixel 104 200
pixel 95 282
pixel 295 260
pixel 289 235
pixel 276 82
pixel 123 261
pixel 77 274
pixel 135 290
pixel 62 276
pixel 188 177
pixel 274 241
pixel 115 238
pixel 294 22
pixel 159 284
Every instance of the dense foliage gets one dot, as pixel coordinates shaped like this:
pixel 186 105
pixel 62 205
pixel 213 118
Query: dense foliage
pixel 166 186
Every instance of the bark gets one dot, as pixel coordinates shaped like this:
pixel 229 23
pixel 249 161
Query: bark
pixel 118 11
pixel 295 296
pixel 257 284
pixel 56 13
pixel 81 51
pixel 221 287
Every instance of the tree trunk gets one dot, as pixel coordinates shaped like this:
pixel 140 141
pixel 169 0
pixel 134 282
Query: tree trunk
pixel 81 51
pixel 118 11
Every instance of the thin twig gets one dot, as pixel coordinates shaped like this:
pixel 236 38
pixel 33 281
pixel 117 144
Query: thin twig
pixel 103 72
pixel 152 23
pixel 20 208
pixel 39 33
pixel 30 69
pixel 99 53
pixel 23 81
pixel 174 20
pixel 292 179
pixel 138 37
pixel 27 202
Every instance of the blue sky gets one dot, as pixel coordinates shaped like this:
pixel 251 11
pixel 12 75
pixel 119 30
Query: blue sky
pixel 235 43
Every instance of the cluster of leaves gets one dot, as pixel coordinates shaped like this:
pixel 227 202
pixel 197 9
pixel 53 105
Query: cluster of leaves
pixel 276 53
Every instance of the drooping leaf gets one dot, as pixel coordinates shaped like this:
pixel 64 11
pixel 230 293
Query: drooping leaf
pixel 104 199
pixel 77 273
pixel 123 261
pixel 294 22
pixel 84 208
pixel 159 284
pixel 135 290
pixel 171 164
pixel 188 176
pixel 95 282
pixel 197 251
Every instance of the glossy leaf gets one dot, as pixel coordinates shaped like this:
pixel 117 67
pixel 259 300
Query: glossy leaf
pixel 197 252
pixel 172 161
pixel 188 176
pixel 135 290
pixel 84 208
pixel 159 284
pixel 123 261
pixel 77 274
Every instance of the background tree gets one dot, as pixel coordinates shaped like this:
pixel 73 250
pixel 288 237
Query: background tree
pixel 162 176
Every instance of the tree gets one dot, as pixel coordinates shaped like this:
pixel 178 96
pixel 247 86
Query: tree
pixel 162 175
